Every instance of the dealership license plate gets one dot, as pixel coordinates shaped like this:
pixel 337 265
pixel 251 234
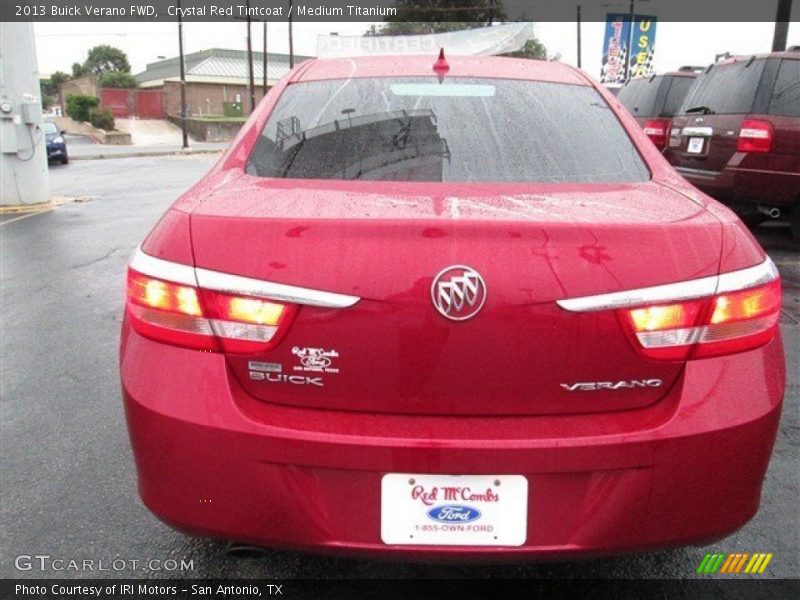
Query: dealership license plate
pixel 454 510
pixel 695 145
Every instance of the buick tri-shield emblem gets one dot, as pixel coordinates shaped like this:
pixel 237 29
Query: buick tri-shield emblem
pixel 458 292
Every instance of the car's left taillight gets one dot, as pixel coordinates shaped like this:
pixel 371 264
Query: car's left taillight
pixel 165 304
pixel 657 130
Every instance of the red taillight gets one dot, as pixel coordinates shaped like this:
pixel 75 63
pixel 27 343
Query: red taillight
pixel 722 324
pixel 755 136
pixel 657 130
pixel 715 315
pixel 244 324
pixel 183 315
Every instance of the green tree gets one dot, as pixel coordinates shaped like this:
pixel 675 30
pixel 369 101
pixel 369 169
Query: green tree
pixel 101 118
pixel 78 106
pixel 104 58
pixel 533 48
pixel 117 79
pixel 78 70
pixel 50 87
pixel 59 77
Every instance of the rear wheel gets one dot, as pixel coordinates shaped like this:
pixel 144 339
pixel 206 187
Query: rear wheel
pixel 65 160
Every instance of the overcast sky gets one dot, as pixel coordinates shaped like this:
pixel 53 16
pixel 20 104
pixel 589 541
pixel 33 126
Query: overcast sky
pixel 58 45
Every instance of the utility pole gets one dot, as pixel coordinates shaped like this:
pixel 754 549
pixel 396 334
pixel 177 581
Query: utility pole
pixel 783 15
pixel 578 21
pixel 183 80
pixel 264 63
pixel 23 151
pixel 250 81
pixel 291 41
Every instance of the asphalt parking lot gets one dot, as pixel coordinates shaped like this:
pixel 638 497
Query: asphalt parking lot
pixel 67 479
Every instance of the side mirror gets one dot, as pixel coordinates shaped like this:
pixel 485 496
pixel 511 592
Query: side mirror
pixel 63 132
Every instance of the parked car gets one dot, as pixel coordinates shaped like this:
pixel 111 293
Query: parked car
pixel 654 99
pixel 56 145
pixel 413 311
pixel 737 135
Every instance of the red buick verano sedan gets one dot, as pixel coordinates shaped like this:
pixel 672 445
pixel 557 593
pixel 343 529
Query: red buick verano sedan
pixel 455 308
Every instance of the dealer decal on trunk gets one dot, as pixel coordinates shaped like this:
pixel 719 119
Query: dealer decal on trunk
pixel 316 360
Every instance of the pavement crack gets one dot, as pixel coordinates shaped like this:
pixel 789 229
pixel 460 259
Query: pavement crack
pixel 94 261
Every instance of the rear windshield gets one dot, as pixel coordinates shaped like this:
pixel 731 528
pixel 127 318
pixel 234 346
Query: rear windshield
pixel 49 127
pixel 678 88
pixel 786 94
pixel 459 130
pixel 729 88
pixel 639 97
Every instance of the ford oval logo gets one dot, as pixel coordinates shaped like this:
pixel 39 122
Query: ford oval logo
pixel 454 513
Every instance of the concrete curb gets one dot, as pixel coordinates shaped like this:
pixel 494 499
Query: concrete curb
pixel 146 153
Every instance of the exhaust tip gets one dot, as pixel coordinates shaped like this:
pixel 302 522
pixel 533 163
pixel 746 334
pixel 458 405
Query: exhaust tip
pixel 246 551
pixel 771 211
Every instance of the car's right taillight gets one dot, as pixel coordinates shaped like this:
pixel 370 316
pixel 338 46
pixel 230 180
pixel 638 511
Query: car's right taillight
pixel 721 324
pixel 755 136
pixel 725 314
pixel 657 130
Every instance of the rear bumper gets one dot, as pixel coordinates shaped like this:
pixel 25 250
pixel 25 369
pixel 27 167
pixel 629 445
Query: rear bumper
pixel 56 150
pixel 744 187
pixel 213 461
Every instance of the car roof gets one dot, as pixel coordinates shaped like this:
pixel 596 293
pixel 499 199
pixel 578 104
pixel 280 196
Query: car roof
pixel 653 76
pixel 690 74
pixel 422 65
pixel 744 57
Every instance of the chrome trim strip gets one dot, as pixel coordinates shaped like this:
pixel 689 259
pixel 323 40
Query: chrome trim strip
pixel 747 278
pixel 162 269
pixel 685 290
pixel 235 284
pixel 701 131
pixel 675 292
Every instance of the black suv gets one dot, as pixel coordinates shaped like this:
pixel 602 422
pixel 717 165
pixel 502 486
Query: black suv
pixel 654 99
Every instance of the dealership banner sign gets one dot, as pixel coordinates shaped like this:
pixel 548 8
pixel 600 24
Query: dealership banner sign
pixel 628 48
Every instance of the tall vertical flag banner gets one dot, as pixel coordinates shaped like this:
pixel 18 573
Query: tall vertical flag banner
pixel 623 44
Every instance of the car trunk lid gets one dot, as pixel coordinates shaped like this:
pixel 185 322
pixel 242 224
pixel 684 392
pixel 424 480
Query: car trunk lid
pixel 385 242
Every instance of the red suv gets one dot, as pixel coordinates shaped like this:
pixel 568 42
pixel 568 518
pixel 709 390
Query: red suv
pixel 654 99
pixel 737 135
pixel 450 309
